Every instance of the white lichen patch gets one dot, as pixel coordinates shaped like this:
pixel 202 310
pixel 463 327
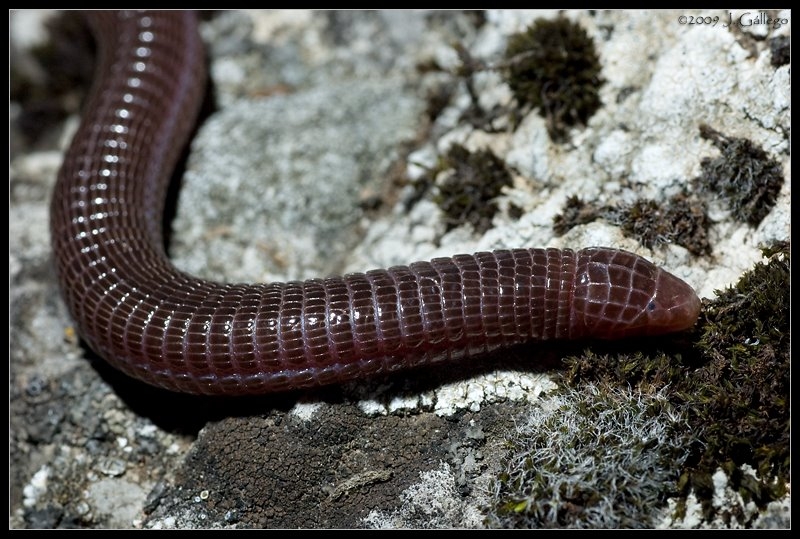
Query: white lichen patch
pixel 35 487
pixel 471 394
pixel 305 410
pixel 117 500
pixel 486 389
pixel 434 502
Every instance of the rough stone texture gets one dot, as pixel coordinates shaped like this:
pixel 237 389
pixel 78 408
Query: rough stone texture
pixel 332 101
pixel 307 161
pixel 332 470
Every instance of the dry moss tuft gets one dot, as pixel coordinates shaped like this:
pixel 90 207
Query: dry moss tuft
pixel 554 65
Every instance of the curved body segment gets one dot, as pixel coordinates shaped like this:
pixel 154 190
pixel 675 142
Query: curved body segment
pixel 182 333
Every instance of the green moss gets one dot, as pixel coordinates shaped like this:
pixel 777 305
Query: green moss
pixel 468 193
pixel 553 65
pixel 681 220
pixel 729 378
pixel 740 398
pixel 576 212
pixel 743 174
pixel 642 370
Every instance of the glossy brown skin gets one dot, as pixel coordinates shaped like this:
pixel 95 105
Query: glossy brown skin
pixel 172 330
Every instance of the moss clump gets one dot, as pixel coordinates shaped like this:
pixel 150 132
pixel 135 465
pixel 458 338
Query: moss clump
pixel 641 370
pixel 740 398
pixel 554 65
pixel 743 174
pixel 468 193
pixel 576 212
pixel 681 220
